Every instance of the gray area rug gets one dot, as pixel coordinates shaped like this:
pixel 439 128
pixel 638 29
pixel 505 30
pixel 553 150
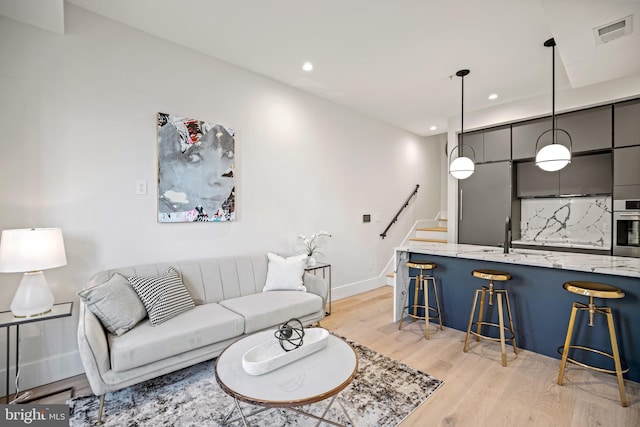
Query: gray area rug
pixel 383 393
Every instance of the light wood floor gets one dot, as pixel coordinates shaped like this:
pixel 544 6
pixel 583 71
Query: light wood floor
pixel 477 391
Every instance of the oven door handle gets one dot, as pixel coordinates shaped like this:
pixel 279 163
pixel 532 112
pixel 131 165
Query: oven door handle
pixel 629 214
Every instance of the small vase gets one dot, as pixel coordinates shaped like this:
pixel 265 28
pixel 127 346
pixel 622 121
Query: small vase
pixel 311 261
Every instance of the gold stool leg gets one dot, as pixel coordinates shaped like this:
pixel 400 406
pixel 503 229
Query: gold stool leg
pixel 425 292
pixel 511 328
pixel 616 358
pixel 503 346
pixel 567 342
pixel 473 310
pixel 435 293
pixel 481 312
pixel 417 282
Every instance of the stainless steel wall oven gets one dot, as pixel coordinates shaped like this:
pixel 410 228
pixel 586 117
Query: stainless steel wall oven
pixel 626 228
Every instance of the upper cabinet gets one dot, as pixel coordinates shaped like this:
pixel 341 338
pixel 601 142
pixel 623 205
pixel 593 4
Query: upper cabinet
pixel 490 145
pixel 588 174
pixel 626 123
pixel 589 129
pixel 525 135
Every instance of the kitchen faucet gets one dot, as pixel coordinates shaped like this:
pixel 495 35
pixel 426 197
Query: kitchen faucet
pixel 507 235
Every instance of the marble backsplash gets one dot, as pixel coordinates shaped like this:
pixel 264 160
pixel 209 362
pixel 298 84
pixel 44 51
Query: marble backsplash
pixel 568 221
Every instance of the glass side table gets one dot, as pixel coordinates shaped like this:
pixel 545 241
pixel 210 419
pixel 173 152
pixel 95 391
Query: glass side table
pixel 324 270
pixel 7 319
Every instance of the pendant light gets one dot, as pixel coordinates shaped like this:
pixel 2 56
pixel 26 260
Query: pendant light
pixel 554 156
pixel 461 167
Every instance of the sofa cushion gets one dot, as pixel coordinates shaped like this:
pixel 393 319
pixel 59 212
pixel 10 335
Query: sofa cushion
pixel 201 326
pixel 285 273
pixel 269 309
pixel 163 296
pixel 115 303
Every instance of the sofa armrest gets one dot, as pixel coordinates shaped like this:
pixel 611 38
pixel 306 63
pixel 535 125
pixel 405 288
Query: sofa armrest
pixel 317 285
pixel 94 349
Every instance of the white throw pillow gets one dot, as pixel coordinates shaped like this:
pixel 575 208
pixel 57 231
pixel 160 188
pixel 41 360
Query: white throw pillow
pixel 285 274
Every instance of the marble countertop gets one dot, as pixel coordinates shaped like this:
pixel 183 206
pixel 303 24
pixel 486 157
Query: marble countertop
pixel 604 264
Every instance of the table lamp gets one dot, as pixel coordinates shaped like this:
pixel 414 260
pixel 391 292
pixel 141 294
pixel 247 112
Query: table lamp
pixel 30 251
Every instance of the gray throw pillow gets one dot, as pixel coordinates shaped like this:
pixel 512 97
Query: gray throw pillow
pixel 115 303
pixel 163 296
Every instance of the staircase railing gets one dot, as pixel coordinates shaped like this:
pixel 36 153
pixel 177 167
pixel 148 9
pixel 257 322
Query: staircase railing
pixel 404 206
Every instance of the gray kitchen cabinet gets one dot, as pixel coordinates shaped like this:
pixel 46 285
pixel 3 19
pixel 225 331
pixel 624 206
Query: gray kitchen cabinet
pixel 626 119
pixel 626 173
pixel 475 141
pixel 524 137
pixel 531 181
pixel 497 144
pixel 589 174
pixel 490 145
pixel 590 129
pixel 485 202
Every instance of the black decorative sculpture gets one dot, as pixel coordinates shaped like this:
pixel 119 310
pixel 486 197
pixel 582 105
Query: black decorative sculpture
pixel 290 337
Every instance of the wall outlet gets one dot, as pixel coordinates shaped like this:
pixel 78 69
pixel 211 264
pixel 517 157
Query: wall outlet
pixel 377 217
pixel 141 188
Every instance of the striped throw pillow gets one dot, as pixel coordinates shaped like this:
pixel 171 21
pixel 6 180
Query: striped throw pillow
pixel 163 296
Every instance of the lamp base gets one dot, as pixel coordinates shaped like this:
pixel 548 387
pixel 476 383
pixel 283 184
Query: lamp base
pixel 33 297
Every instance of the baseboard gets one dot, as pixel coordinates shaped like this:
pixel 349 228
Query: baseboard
pixel 43 371
pixel 356 288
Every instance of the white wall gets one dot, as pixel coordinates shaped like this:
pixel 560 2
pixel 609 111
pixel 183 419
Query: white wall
pixel 78 119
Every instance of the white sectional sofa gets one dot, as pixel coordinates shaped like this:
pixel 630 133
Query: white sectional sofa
pixel 229 303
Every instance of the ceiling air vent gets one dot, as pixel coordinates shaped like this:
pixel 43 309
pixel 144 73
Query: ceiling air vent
pixel 613 30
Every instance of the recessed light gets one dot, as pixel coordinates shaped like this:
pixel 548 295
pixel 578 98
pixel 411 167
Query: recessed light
pixel 433 128
pixel 493 96
pixel 307 66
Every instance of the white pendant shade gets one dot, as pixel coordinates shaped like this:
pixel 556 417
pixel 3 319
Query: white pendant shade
pixel 553 157
pixel 461 167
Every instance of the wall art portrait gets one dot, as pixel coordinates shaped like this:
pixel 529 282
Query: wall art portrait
pixel 196 176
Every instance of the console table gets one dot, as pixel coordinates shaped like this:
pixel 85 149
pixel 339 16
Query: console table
pixel 7 319
pixel 325 269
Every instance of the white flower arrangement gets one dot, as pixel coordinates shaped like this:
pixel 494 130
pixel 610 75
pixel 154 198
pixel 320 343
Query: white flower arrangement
pixel 312 243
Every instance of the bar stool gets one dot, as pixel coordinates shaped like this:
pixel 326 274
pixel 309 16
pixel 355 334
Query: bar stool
pixel 594 290
pixel 492 275
pixel 421 283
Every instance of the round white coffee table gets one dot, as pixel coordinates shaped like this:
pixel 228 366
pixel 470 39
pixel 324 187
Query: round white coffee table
pixel 318 376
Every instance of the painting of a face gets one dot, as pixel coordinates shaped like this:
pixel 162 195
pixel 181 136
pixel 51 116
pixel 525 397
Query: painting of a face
pixel 195 170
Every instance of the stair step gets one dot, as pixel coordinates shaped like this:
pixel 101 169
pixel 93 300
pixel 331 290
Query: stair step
pixel 443 229
pixel 443 219
pixel 391 275
pixel 420 239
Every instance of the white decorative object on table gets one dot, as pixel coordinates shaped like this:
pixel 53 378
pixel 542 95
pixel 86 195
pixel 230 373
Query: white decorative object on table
pixel 311 245
pixel 269 356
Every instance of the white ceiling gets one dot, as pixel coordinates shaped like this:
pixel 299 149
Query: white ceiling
pixel 394 60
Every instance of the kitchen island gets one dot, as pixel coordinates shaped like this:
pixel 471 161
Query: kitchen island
pixel 541 307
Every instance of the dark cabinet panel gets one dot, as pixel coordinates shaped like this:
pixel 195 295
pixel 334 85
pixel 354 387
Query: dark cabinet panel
pixel 626 166
pixel 485 202
pixel 589 129
pixel 587 175
pixel 590 174
pixel 497 144
pixel 525 135
pixel 626 119
pixel 531 181
pixel 475 141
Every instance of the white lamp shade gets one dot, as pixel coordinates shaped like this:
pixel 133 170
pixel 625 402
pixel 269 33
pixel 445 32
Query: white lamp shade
pixel 31 249
pixel 553 157
pixel 461 167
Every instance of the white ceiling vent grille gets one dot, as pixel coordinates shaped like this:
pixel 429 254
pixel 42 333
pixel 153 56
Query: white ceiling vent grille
pixel 613 30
